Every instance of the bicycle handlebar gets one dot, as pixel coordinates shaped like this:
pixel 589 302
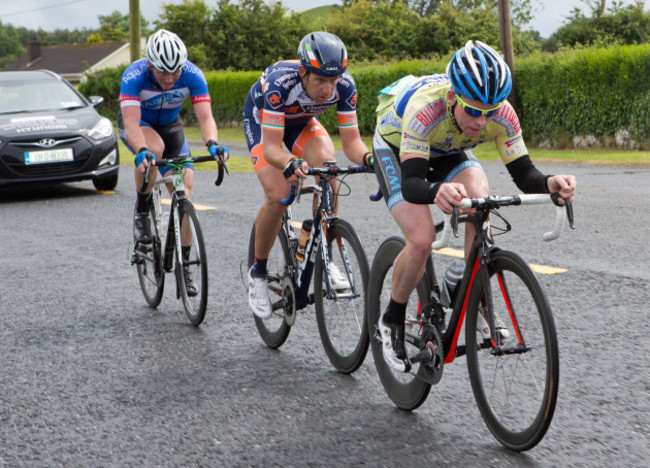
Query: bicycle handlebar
pixel 177 161
pixel 451 221
pixel 329 171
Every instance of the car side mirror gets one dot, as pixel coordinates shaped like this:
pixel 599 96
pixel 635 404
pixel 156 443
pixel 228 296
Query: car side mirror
pixel 96 100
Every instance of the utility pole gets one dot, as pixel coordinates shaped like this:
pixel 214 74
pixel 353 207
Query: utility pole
pixel 134 26
pixel 505 31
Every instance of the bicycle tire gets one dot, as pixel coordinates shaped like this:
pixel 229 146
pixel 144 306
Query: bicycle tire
pixel 342 319
pixel 197 264
pixel 274 331
pixel 516 393
pixel 149 265
pixel 406 390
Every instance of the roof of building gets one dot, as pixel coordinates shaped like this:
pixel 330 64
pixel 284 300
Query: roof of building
pixel 65 59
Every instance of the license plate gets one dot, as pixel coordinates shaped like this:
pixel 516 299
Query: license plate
pixel 49 156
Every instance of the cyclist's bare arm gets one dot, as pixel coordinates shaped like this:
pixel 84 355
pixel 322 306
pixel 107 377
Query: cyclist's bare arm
pixel 131 116
pixel 207 125
pixel 353 146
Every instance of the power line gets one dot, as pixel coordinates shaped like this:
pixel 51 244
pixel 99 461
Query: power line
pixel 42 8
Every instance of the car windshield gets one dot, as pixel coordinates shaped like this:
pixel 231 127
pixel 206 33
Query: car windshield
pixel 41 95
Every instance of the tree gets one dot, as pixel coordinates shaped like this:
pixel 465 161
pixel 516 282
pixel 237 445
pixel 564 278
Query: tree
pixel 10 45
pixel 189 20
pixel 617 26
pixel 116 21
pixel 251 34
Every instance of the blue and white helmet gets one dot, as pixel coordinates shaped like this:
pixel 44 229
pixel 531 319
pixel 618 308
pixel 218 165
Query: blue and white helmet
pixel 166 51
pixel 478 72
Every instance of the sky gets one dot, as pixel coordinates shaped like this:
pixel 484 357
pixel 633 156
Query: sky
pixel 77 14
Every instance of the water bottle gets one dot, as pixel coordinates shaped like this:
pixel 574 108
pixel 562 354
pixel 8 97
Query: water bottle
pixel 303 238
pixel 450 285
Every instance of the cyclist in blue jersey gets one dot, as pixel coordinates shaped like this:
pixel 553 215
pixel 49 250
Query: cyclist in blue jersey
pixel 282 107
pixel 425 130
pixel 152 92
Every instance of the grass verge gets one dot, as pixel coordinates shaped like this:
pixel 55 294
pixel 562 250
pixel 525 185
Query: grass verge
pixel 484 152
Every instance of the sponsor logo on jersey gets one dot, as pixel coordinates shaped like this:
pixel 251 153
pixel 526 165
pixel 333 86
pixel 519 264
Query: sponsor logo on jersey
pixel 274 99
pixel 292 109
pixel 409 146
pixel 429 115
pixel 392 177
pixel 352 100
pixel 507 117
pixel 391 120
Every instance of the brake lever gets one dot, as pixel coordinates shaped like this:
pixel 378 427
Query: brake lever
pixel 455 214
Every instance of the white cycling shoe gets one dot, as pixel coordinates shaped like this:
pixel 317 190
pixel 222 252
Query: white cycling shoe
pixel 484 329
pixel 392 339
pixel 338 280
pixel 258 296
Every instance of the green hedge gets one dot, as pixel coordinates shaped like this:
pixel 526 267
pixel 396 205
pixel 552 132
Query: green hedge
pixel 577 93
pixel 596 92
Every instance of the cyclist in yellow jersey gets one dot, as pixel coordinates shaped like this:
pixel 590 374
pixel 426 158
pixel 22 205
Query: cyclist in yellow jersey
pixel 425 130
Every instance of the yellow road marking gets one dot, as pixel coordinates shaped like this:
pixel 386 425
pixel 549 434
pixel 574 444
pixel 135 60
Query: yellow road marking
pixel 541 269
pixel 167 201
pixel 450 252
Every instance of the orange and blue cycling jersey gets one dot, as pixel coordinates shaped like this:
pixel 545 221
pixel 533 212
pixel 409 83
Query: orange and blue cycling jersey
pixel 414 115
pixel 278 101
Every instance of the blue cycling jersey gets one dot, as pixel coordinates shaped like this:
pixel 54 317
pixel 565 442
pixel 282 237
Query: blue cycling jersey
pixel 161 107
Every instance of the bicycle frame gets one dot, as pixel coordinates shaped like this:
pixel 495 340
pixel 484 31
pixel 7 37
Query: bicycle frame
pixel 477 263
pixel 302 272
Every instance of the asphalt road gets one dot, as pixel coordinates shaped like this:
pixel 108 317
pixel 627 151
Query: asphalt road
pixel 91 376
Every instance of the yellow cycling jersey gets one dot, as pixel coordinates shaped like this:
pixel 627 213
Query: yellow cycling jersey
pixel 415 116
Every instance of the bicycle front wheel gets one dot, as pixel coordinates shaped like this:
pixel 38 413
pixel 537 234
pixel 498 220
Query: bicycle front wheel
pixel 515 380
pixel 406 390
pixel 341 316
pixel 149 264
pixel 192 267
pixel 275 330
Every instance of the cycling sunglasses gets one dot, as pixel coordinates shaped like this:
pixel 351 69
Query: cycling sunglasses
pixel 475 112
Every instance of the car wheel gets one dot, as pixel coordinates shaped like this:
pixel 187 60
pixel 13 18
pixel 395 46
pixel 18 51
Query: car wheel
pixel 106 183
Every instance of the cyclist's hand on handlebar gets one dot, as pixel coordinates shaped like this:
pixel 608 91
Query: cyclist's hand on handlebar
pixel 294 170
pixel 450 195
pixel 217 151
pixel 143 157
pixel 564 184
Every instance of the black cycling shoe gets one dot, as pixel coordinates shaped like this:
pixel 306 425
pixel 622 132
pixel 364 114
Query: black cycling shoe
pixel 190 287
pixel 143 228
pixel 392 337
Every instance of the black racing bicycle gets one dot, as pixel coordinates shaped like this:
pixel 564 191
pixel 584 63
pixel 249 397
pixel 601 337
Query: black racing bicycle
pixel 510 339
pixel 179 246
pixel 333 245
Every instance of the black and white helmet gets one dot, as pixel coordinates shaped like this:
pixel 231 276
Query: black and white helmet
pixel 165 51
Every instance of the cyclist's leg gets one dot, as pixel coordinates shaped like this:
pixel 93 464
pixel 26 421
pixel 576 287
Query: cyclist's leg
pixel 416 224
pixel 143 199
pixel 268 220
pixel 314 145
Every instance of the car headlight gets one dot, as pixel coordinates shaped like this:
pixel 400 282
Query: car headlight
pixel 102 130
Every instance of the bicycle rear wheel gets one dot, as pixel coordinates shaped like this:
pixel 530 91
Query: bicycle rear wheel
pixel 516 384
pixel 149 264
pixel 406 390
pixel 275 330
pixel 196 265
pixel 342 317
